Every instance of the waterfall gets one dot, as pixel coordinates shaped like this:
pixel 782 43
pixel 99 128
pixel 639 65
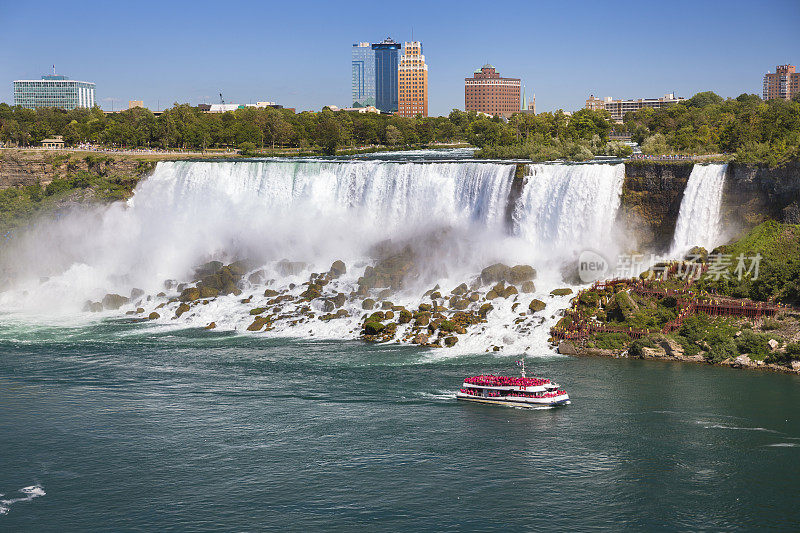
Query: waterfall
pixel 452 215
pixel 699 222
pixel 569 207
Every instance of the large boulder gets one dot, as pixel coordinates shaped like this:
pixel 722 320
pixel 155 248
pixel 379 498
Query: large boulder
pixel 338 269
pixel 182 308
pixel 191 294
pixel 495 273
pixel 373 328
pixel 207 269
pixel 528 287
pixel 368 304
pixel 461 289
pixel 258 323
pixel 519 273
pixel 339 299
pixel 113 301
pixel 389 272
pixel 536 305
pixel 561 292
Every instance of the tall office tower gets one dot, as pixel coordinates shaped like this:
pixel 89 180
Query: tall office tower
pixel 413 82
pixel 53 91
pixel 363 75
pixel 387 53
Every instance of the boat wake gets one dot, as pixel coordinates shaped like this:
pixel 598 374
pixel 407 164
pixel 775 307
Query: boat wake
pixel 34 491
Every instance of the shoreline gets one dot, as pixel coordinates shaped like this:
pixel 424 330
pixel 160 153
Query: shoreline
pixel 741 362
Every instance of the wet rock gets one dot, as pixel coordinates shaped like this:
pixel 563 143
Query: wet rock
pixel 258 310
pixel 450 341
pixel 139 310
pixel 528 287
pixel 520 273
pixel 373 328
pixel 425 307
pixel 436 295
pixel 460 304
pixel 313 291
pixel 461 289
pixel 182 308
pixel 161 294
pixel 561 292
pixel 339 300
pixel 368 304
pixel 404 317
pixel 387 305
pixel 495 273
pixel 211 325
pixel 94 307
pixel 422 319
pixel 208 292
pixel 170 284
pixel 328 306
pixel 388 315
pixel 153 316
pixel 484 310
pixel 257 278
pixel 113 301
pixel 181 286
pixel 207 269
pixel 567 348
pixel 269 293
pixel 420 338
pixel 536 305
pixel 509 291
pixel 189 295
pixel 338 269
pixel 491 295
pixel 390 271
pixel 136 293
pixel 258 323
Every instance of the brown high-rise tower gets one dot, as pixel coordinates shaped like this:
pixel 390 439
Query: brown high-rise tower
pixel 488 93
pixel 413 82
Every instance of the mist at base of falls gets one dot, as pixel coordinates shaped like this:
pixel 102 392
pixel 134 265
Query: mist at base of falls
pixel 454 218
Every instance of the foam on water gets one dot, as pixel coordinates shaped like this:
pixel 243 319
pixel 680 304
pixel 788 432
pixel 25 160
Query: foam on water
pixel 453 214
pixel 34 491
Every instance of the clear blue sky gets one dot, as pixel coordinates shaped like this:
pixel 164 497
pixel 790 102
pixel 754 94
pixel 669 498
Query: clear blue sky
pixel 297 53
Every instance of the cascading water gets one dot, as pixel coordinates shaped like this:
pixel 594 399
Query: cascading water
pixel 452 216
pixel 699 222
pixel 566 208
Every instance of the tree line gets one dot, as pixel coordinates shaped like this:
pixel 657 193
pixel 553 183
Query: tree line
pixel 752 129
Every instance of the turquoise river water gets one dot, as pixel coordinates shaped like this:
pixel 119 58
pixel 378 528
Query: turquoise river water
pixel 108 427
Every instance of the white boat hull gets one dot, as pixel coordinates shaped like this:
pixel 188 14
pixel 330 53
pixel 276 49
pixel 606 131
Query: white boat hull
pixel 511 401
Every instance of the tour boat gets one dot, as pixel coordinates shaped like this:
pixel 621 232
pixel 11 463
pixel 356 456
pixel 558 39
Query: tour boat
pixel 513 391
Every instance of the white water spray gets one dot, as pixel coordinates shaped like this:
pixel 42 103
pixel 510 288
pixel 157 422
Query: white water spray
pixel 699 222
pixel 453 214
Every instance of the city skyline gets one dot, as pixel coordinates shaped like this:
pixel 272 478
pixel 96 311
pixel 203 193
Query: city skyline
pixel 249 59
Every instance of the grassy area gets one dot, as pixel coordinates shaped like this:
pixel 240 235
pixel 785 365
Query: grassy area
pixel 18 205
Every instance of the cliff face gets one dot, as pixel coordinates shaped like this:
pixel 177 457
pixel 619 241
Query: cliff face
pixel 28 167
pixel 753 194
pixel 651 200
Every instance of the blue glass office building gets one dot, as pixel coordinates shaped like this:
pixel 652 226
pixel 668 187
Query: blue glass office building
pixel 363 75
pixel 387 58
